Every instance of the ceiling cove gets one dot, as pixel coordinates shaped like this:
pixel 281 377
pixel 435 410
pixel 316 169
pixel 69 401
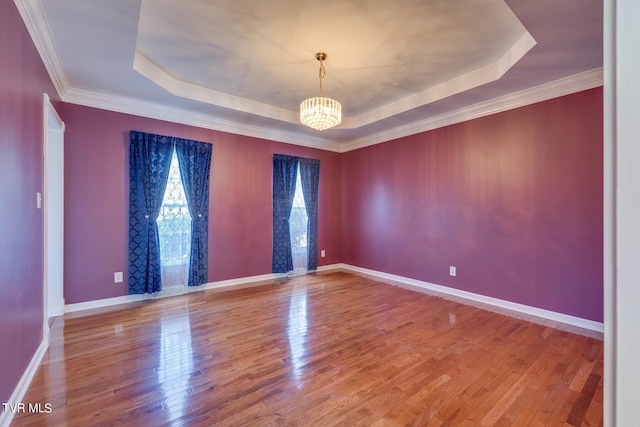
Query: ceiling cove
pixel 244 66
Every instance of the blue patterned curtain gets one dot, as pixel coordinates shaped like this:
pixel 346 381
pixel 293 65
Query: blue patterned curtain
pixel 310 177
pixel 195 167
pixel 149 160
pixel 284 186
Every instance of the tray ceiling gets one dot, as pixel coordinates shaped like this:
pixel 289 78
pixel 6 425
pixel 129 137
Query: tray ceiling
pixel 245 66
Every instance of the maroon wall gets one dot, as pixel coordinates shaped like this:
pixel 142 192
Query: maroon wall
pixel 513 200
pixel 96 200
pixel 23 80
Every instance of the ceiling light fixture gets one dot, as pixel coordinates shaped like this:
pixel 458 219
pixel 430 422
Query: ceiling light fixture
pixel 320 113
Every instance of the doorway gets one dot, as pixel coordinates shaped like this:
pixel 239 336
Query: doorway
pixel 53 211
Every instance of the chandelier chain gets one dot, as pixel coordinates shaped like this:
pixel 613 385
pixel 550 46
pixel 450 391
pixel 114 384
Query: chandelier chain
pixel 321 74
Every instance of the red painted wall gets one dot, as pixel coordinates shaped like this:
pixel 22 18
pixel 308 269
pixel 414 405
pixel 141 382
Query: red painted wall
pixel 23 80
pixel 96 200
pixel 513 200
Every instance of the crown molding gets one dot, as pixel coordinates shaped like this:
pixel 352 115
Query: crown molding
pixel 35 20
pixel 475 78
pixel 33 15
pixel 565 86
pixel 175 115
pixel 195 92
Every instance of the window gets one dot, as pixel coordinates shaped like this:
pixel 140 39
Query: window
pixel 169 201
pixel 295 214
pixel 298 223
pixel 174 228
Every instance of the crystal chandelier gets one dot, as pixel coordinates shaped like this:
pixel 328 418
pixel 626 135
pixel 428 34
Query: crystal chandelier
pixel 320 113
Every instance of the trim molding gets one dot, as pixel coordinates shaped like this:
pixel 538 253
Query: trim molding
pixel 244 282
pixel 35 20
pixel 474 299
pixel 562 87
pixel 101 303
pixel 195 92
pixel 512 308
pixel 23 385
pixel 34 17
pixel 332 267
pixel 163 112
pixel 470 80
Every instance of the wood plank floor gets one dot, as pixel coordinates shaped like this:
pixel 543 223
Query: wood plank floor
pixel 332 349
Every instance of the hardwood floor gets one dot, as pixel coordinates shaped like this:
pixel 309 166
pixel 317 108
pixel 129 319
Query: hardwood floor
pixel 333 349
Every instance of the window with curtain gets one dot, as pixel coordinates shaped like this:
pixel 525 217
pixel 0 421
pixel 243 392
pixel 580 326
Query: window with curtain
pixel 151 209
pixel 298 224
pixel 287 171
pixel 174 232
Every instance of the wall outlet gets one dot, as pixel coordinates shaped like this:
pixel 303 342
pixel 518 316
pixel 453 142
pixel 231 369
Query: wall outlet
pixel 322 253
pixel 117 277
pixel 452 271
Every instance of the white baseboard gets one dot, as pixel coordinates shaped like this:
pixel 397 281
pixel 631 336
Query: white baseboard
pixel 101 303
pixel 243 281
pixel 124 299
pixel 471 297
pixel 222 284
pixel 332 267
pixel 23 385
pixel 444 291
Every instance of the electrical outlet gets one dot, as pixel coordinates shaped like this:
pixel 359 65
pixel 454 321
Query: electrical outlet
pixel 117 277
pixel 322 253
pixel 452 271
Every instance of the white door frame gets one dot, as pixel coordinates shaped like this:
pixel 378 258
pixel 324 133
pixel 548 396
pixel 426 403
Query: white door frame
pixel 621 213
pixel 53 215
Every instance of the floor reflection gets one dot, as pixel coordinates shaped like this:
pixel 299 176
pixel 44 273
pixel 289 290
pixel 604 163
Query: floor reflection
pixel 55 373
pixel 175 361
pixel 297 325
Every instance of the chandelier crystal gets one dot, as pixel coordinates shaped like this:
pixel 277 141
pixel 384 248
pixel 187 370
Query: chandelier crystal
pixel 320 113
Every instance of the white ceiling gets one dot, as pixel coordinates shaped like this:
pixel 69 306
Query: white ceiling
pixel 244 66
